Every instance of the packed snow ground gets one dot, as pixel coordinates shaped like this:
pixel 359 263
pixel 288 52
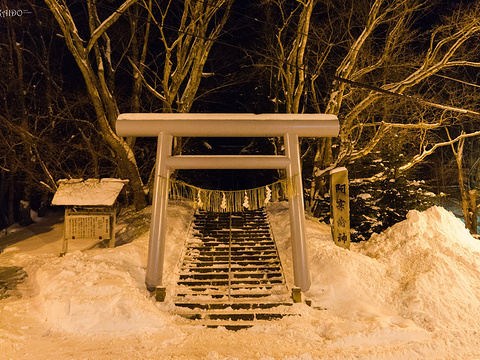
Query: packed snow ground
pixel 411 292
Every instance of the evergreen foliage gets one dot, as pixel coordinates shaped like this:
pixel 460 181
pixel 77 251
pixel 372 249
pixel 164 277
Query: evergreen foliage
pixel 379 201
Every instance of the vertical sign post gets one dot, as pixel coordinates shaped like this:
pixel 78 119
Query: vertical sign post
pixel 340 207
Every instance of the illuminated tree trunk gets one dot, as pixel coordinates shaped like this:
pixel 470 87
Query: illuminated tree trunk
pixel 468 198
pixel 98 78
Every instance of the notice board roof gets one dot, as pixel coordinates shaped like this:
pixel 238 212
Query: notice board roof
pixel 90 192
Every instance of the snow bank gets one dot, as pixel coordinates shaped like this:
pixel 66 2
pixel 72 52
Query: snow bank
pixel 96 292
pixel 435 264
pixel 424 271
pixel 343 281
pixel 419 277
pixel 103 290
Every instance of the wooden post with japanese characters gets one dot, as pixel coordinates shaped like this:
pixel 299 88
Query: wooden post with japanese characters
pixel 340 207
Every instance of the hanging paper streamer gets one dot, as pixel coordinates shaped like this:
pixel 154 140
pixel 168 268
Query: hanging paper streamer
pixel 232 201
pixel 224 202
pixel 246 205
pixel 268 196
pixel 199 199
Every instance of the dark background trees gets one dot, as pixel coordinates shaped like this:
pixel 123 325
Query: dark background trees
pixel 400 74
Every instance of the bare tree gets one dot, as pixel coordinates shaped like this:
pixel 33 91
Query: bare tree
pixel 37 114
pixel 288 44
pixel 140 35
pixel 380 62
pixel 23 71
pixel 186 47
pixel 171 72
pixel 93 57
pixel 445 42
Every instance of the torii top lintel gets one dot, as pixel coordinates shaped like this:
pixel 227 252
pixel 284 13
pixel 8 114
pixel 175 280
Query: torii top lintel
pixel 227 125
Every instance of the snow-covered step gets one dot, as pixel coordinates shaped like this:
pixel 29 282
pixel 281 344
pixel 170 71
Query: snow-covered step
pixel 242 250
pixel 233 325
pixel 225 230
pixel 235 266
pixel 234 258
pixel 218 223
pixel 204 272
pixel 269 275
pixel 234 241
pixel 238 305
pixel 205 295
pixel 230 282
pixel 243 287
pixel 234 244
pixel 225 227
pixel 221 266
pixel 232 275
pixel 221 296
pixel 235 315
pixel 236 319
pixel 221 237
pixel 263 241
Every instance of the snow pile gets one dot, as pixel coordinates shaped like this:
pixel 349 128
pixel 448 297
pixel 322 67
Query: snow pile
pixel 348 291
pixel 436 265
pixel 342 280
pixel 419 277
pixel 102 291
pixel 424 270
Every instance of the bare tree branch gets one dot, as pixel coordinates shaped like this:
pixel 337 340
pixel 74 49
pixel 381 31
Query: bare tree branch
pixel 103 27
pixel 426 152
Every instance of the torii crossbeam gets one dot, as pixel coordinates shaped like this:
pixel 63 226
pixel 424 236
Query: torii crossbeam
pixel 166 126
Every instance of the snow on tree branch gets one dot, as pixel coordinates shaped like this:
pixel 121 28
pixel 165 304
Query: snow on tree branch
pixel 103 27
pixel 426 152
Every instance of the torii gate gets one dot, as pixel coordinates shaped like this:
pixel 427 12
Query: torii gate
pixel 166 126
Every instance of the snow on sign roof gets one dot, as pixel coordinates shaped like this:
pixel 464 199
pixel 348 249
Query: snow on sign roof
pixel 90 192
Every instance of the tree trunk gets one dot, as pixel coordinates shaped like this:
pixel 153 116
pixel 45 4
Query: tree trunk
pixel 464 196
pixel 11 198
pixel 473 211
pixel 3 191
pixel 98 86
pixel 127 163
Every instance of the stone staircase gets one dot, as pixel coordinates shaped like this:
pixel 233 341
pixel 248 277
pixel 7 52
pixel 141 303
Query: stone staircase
pixel 231 273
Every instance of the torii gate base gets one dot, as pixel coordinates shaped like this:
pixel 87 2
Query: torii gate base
pixel 166 126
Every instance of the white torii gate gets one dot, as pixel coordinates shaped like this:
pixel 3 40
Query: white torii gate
pixel 166 126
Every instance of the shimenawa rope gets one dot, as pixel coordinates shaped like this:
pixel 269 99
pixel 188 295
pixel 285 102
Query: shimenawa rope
pixel 234 200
